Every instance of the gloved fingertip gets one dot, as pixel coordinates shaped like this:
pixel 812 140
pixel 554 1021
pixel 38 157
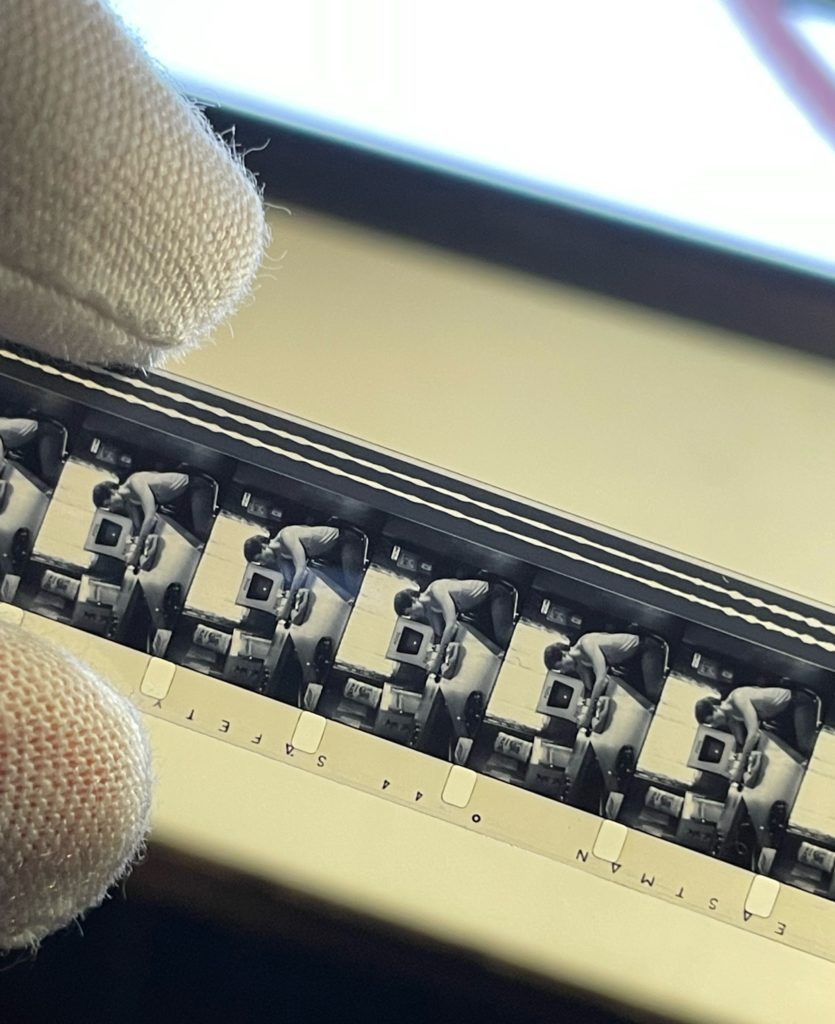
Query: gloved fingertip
pixel 75 787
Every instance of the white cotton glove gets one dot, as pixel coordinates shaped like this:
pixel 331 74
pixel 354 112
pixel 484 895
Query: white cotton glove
pixel 127 230
pixel 127 233
pixel 75 785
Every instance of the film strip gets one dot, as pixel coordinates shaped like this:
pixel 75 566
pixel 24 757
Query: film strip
pixel 502 666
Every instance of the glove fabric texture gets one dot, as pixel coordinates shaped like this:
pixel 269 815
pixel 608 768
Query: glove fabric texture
pixel 128 233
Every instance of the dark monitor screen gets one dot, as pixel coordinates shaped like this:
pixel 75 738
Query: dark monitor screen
pixel 712 750
pixel 260 587
pixel 109 533
pixel 560 696
pixel 410 641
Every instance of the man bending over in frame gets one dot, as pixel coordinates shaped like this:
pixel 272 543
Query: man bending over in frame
pixel 140 496
pixel 18 432
pixel 744 710
pixel 591 657
pixel 442 602
pixel 292 548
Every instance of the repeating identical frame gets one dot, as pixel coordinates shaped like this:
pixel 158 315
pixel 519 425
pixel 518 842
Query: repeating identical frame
pixel 382 525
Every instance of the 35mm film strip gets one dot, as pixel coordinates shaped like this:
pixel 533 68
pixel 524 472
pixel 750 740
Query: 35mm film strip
pixel 503 666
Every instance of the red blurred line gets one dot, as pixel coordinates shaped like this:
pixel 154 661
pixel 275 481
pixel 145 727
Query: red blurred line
pixel 799 69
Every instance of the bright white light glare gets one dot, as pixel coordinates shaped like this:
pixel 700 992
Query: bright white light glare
pixel 658 111
pixel 819 32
